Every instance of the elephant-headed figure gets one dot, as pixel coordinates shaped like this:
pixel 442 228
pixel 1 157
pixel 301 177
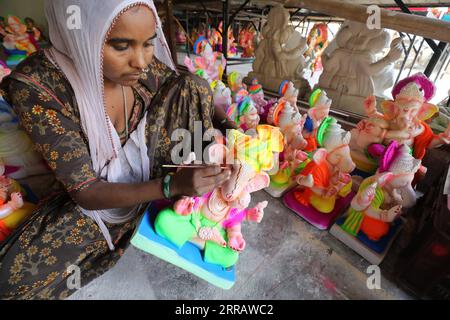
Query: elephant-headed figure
pixel 402 120
pixel 256 92
pixel 13 209
pixel 244 113
pixel 214 219
pixel 289 92
pixel 381 197
pixel 327 176
pixel 319 108
pixel 221 95
pixel 236 83
pixel 247 115
pixel 407 114
pixel 290 122
pixel 206 66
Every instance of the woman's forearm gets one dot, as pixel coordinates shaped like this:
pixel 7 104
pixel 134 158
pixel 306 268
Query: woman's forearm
pixel 106 195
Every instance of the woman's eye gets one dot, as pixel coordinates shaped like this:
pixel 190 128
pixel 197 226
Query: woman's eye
pixel 120 48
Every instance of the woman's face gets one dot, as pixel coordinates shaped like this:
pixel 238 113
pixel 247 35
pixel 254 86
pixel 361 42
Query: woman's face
pixel 129 47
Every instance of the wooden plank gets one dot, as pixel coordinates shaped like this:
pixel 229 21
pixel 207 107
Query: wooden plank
pixel 414 24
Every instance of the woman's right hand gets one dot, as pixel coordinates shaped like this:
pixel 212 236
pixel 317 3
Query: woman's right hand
pixel 198 181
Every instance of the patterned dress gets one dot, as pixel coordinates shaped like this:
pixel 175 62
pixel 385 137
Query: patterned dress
pixel 37 259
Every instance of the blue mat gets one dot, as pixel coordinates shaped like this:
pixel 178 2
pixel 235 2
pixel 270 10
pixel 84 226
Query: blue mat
pixel 380 245
pixel 188 257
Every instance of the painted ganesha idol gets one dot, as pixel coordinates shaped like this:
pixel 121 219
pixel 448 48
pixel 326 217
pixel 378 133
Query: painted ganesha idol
pixel 324 185
pixel 373 218
pixel 402 120
pixel 214 220
pixel 300 137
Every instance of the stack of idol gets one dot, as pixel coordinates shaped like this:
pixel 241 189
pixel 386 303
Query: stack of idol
pixel 387 149
pixel 383 155
pixel 314 169
pixel 243 105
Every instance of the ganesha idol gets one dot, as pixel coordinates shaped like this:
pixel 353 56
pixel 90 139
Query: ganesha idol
pixel 244 112
pixel 13 209
pixel 373 220
pixel 221 95
pixel 236 83
pixel 402 120
pixel 291 123
pixel 213 221
pixel 206 66
pixel 324 184
pixel 300 136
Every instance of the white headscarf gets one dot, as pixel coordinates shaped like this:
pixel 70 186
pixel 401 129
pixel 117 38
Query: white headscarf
pixel 78 52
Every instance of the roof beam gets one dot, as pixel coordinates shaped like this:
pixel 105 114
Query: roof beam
pixel 414 24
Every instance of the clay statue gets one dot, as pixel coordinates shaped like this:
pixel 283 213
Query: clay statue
pixel 246 41
pixel 206 65
pixel 291 124
pixel 214 219
pixel 221 94
pixel 16 149
pixel 381 197
pixel 244 112
pixel 317 42
pixel 256 92
pixel 402 120
pixel 319 108
pixel 352 70
pixel 17 37
pixel 326 177
pixel 13 209
pixel 235 82
pixel 279 55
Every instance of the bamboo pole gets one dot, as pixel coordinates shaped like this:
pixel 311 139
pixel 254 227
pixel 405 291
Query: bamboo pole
pixel 408 23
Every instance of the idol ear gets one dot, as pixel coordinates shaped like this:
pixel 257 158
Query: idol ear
pixel 426 111
pixel 258 182
pixel 389 109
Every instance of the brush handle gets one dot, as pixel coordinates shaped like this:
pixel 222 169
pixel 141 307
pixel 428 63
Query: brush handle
pixel 191 166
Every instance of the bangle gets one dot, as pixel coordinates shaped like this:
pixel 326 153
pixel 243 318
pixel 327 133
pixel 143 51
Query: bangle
pixel 166 185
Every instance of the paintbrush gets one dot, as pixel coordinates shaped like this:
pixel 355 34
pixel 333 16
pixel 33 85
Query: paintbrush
pixel 193 166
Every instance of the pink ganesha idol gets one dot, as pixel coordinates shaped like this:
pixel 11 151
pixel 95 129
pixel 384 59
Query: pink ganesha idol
pixel 206 66
pixel 403 120
pixel 300 137
pixel 244 112
pixel 371 223
pixel 291 124
pixel 213 220
pixel 221 95
pixel 324 185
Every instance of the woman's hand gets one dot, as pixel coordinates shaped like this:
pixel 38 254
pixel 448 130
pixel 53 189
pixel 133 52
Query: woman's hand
pixel 198 181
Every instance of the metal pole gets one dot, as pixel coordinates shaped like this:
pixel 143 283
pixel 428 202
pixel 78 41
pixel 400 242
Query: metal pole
pixel 405 9
pixel 226 8
pixel 435 58
pixel 188 35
